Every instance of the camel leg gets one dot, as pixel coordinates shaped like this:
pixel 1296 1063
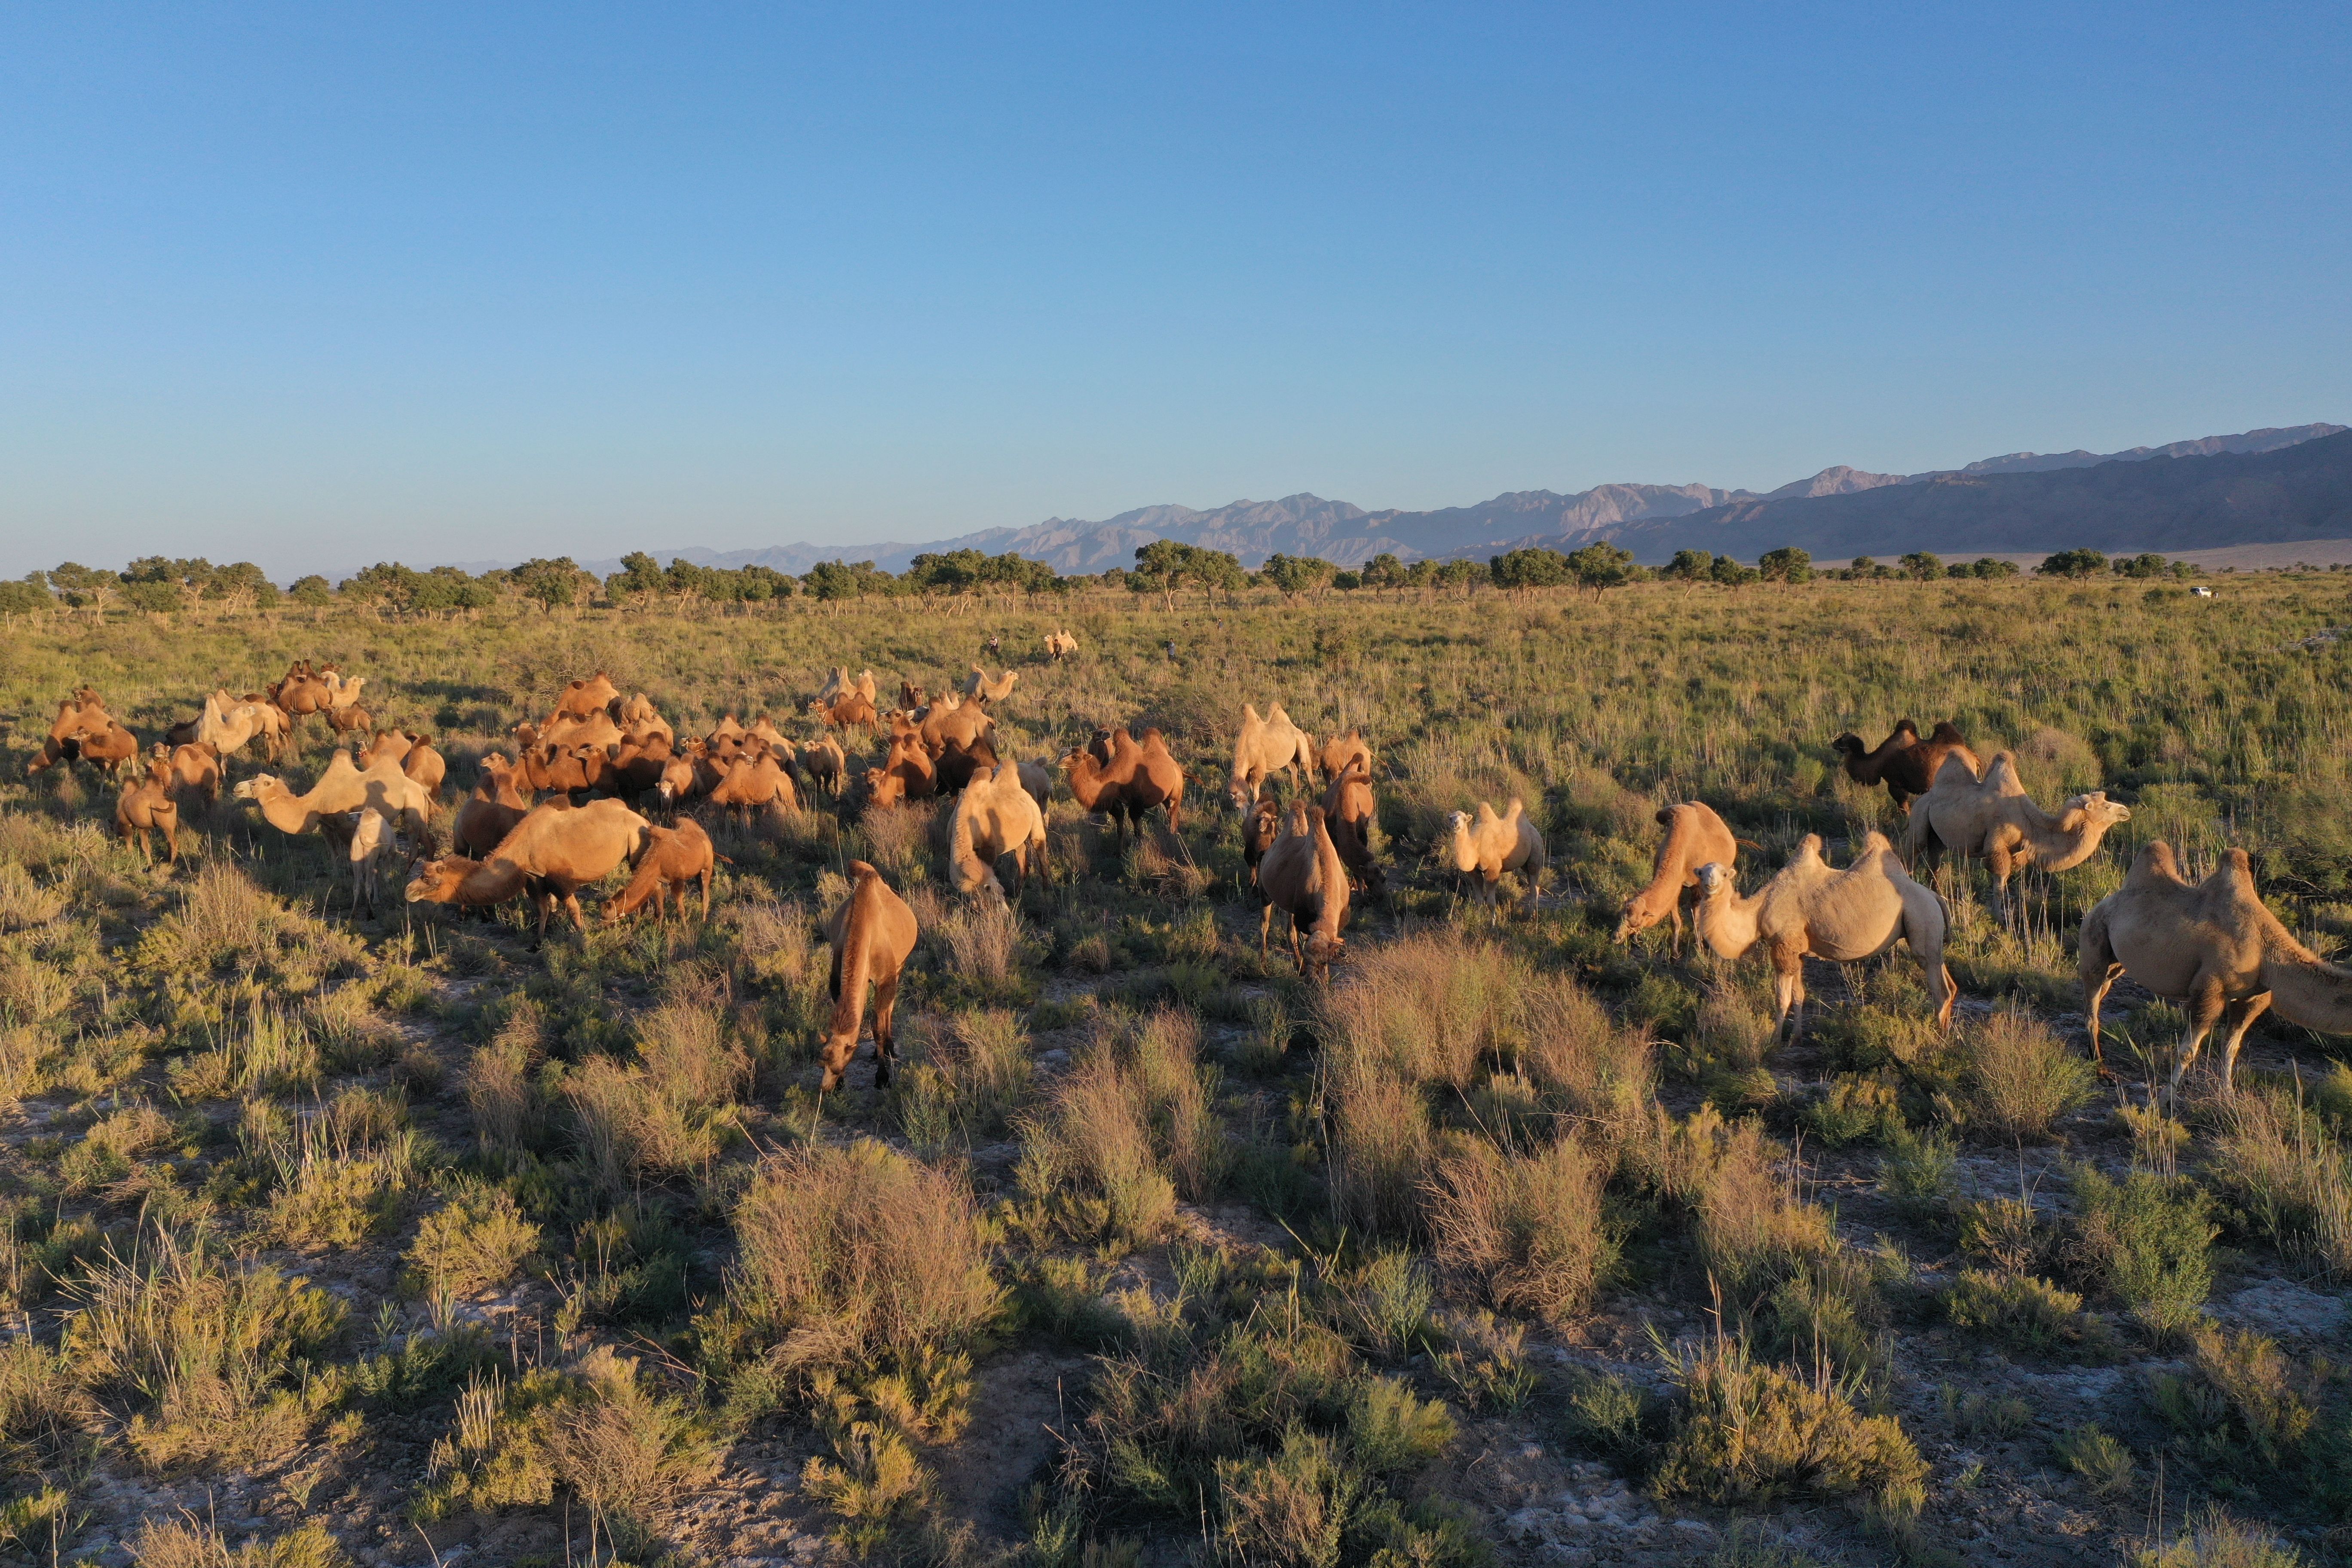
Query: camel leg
pixel 2206 1006
pixel 1789 989
pixel 886 996
pixel 2094 995
pixel 1265 926
pixel 1296 955
pixel 706 895
pixel 2246 1011
pixel 1999 862
pixel 170 823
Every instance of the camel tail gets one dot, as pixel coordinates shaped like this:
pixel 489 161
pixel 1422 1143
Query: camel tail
pixel 723 860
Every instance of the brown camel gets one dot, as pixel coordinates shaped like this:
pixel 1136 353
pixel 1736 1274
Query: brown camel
pixel 640 762
pixel 1347 811
pixel 490 813
pixel 911 696
pixel 639 716
pixel 1332 759
pixel 1809 911
pixel 1303 876
pixel 958 763
pixel 994 816
pixel 1992 820
pixel 1905 764
pixel 967 723
pixel 1264 747
pixel 77 721
pixel 1489 846
pixel 2213 945
pixel 906 773
pixel 756 780
pixel 674 859
pixel 851 707
pixel 148 806
pixel 1260 828
pixel 1696 837
pixel 1138 776
pixel 550 855
pixel 195 767
pixel 872 933
pixel 582 699
pixel 826 764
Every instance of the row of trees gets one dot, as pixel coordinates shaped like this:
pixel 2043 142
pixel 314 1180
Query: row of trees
pixel 159 583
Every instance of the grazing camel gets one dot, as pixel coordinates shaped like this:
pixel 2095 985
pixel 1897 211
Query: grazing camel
pixel 490 814
pixel 756 780
pixel 552 767
pixel 1060 645
pixel 872 933
pixel 194 766
pixel 979 688
pixel 2212 945
pixel 966 723
pixel 1267 746
pixel 674 857
pixel 994 816
pixel 1347 810
pixel 77 721
pixel 1138 776
pixel 111 751
pixel 352 719
pixel 1696 837
pixel 1489 846
pixel 1332 759
pixel 911 696
pixel 550 855
pixel 1302 876
pixel 342 788
pixel 1809 911
pixel 958 763
pixel 148 806
pixel 415 755
pixel 906 773
pixel 1992 820
pixel 849 707
pixel 564 730
pixel 1260 828
pixel 1905 764
pixel 826 763
pixel 584 699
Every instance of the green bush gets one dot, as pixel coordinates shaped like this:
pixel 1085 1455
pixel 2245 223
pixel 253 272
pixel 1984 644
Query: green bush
pixel 2147 1241
pixel 2021 1077
pixel 1747 1433
pixel 2024 1312
pixel 2099 1459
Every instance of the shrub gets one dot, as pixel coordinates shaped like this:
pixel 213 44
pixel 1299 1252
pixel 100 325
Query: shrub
pixel 1753 1230
pixel 1390 1431
pixel 1383 1306
pixel 2021 1077
pixel 1129 1128
pixel 1428 1008
pixel 2006 1233
pixel 1288 1509
pixel 2242 1406
pixel 1747 1433
pixel 2218 1541
pixel 2290 1176
pixel 1856 1110
pixel 1526 1228
pixel 2022 1311
pixel 1487 1363
pixel 858 1256
pixel 478 1240
pixel 670 1110
pixel 1920 1170
pixel 193 1544
pixel 508 1112
pixel 2099 1459
pixel 2148 1241
pixel 974 1073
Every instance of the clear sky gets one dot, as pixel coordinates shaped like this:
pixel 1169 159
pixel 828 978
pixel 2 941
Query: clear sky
pixel 321 285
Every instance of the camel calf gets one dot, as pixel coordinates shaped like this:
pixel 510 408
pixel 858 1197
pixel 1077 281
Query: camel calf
pixel 1491 845
pixel 1696 837
pixel 872 934
pixel 148 806
pixel 673 858
pixel 1302 877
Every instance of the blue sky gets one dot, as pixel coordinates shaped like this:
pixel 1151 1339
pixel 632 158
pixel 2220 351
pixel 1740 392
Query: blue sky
pixel 321 285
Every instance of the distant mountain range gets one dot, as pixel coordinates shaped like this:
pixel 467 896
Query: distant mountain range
pixel 2261 487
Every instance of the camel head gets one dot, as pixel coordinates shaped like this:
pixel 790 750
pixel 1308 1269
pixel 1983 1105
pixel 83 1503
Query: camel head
pixel 1713 880
pixel 437 881
pixel 1849 745
pixel 260 786
pixel 2098 812
pixel 884 788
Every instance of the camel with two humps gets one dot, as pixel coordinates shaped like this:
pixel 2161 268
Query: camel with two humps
pixel 1695 836
pixel 549 856
pixel 1302 876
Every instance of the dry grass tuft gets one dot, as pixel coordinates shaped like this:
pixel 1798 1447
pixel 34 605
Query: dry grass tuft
pixel 1524 1227
pixel 1131 1127
pixel 2021 1077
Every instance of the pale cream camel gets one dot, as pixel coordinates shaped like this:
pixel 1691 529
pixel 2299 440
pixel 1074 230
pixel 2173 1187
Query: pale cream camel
pixel 1060 645
pixel 994 816
pixel 1992 820
pixel 1811 911
pixel 1301 874
pixel 2212 945
pixel 1264 747
pixel 404 802
pixel 1489 846
pixel 979 688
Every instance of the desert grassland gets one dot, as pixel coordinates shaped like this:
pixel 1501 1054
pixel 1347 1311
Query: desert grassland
pixel 360 1227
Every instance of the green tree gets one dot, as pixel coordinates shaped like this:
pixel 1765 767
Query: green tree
pixel 1923 566
pixel 2145 565
pixel 1291 575
pixel 84 587
pixel 1462 574
pixel 1689 566
pixel 312 590
pixel 2073 564
pixel 1731 574
pixel 551 582
pixel 1384 571
pixel 1786 564
pixel 1986 567
pixel 242 587
pixel 640 577
pixel 1534 567
pixel 1600 566
pixel 28 595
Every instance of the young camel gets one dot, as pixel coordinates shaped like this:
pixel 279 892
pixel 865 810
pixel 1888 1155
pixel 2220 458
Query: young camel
pixel 2213 945
pixel 994 816
pixel 1811 911
pixel 674 859
pixel 1347 810
pixel 872 933
pixel 1302 876
pixel 1696 837
pixel 1491 845
pixel 1992 820
pixel 1264 747
pixel 552 854
pixel 147 806
pixel 490 814
pixel 827 763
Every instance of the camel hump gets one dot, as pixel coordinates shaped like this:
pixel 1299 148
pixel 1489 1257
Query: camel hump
pixel 1666 814
pixel 2155 862
pixel 2237 867
pixel 1905 727
pixel 859 871
pixel 1249 715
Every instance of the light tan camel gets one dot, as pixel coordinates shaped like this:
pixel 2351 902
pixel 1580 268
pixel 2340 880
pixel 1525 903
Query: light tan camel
pixel 1267 746
pixel 1489 846
pixel 966 724
pixel 1696 837
pixel 229 725
pixel 994 816
pixel 2213 945
pixel 147 806
pixel 584 699
pixel 1992 820
pixel 755 780
pixel 340 693
pixel 1809 911
pixel 1038 780
pixel 674 859
pixel 873 933
pixel 490 813
pixel 196 768
pixel 1331 759
pixel 552 854
pixel 1302 876
pixel 1060 645
pixel 342 788
pixel 979 688
pixel 415 755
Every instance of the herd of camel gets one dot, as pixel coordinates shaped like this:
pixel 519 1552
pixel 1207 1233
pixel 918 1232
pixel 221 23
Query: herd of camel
pixel 601 760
